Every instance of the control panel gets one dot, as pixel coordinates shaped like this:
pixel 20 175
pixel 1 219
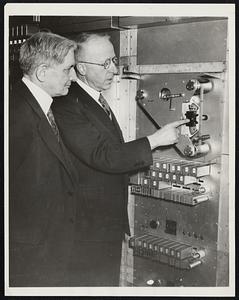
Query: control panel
pixel 176 217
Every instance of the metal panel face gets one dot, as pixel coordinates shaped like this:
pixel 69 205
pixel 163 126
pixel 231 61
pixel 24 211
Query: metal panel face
pixel 213 104
pixel 183 43
pixel 162 215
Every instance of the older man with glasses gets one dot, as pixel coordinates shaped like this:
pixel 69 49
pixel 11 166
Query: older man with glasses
pixel 93 136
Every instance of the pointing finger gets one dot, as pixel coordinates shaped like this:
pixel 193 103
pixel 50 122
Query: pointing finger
pixel 179 123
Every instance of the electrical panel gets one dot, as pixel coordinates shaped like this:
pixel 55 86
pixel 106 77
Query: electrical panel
pixel 179 236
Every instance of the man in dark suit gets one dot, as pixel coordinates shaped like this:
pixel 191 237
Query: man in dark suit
pixel 42 181
pixel 93 136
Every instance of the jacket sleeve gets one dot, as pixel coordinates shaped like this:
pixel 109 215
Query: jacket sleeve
pixel 94 146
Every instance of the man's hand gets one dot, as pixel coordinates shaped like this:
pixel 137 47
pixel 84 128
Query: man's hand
pixel 167 135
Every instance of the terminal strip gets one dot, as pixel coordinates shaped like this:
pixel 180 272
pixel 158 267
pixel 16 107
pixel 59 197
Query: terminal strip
pixel 173 253
pixel 173 180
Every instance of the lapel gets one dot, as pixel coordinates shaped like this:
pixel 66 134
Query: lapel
pixel 96 114
pixel 117 127
pixel 45 130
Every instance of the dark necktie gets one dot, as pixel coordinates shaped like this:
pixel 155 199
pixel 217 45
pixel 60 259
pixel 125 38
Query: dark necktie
pixel 105 105
pixel 52 121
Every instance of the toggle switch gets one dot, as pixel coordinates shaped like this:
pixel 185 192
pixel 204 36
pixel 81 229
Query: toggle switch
pixel 192 116
pixel 165 94
pixel 195 264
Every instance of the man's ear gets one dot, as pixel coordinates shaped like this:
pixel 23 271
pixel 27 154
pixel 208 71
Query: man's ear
pixel 81 68
pixel 41 72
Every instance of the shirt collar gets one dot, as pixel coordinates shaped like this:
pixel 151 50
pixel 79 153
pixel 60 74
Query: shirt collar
pixel 93 93
pixel 44 99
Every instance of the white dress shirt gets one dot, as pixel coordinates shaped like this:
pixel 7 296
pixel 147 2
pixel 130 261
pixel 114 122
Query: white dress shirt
pixel 89 90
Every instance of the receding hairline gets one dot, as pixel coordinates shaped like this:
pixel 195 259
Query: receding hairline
pixel 85 37
pixel 87 40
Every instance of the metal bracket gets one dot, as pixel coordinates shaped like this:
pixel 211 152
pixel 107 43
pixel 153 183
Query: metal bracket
pixel 126 74
pixel 114 24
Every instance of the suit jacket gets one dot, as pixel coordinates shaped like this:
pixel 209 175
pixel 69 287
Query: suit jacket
pixel 42 189
pixel 103 161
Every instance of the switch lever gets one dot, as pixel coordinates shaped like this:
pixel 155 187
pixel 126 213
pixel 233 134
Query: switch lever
pixel 165 94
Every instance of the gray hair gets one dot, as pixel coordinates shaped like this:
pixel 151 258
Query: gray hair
pixel 43 48
pixel 84 38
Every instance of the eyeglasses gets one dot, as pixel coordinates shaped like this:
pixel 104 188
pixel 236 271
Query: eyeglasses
pixel 106 64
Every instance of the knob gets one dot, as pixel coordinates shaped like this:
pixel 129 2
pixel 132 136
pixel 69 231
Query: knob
pixel 150 282
pixel 154 224
pixel 189 150
pixel 165 94
pixel 156 282
pixel 203 83
pixel 204 148
pixel 140 95
pixel 193 84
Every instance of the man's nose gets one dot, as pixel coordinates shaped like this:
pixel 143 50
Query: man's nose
pixel 72 75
